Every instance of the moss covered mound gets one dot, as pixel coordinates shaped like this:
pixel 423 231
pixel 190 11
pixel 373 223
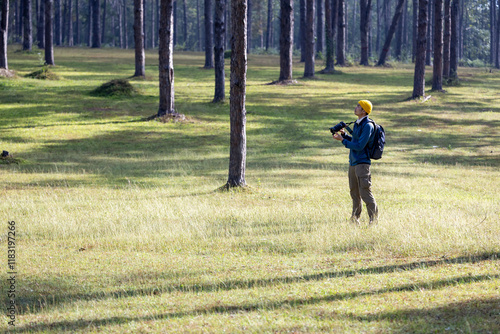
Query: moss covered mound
pixel 118 87
pixel 45 73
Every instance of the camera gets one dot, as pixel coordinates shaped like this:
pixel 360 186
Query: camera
pixel 337 127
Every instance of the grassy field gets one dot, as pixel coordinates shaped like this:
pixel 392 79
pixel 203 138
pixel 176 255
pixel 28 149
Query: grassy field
pixel 120 229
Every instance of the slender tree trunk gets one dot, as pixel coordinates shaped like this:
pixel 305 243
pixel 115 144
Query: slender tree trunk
pixel 249 25
pixel 365 6
pixel 185 22
pixel 238 145
pixel 329 68
pixel 140 55
pixel 399 32
pixel 153 26
pixel 428 58
pixel 96 26
pixel 27 24
pixel 70 23
pixel 286 40
pixel 220 35
pixel 144 16
pixel 497 57
pixel 119 9
pixel 58 22
pixel 415 29
pixel 493 30
pixel 198 25
pixel 446 38
pixel 4 33
pixel 341 20
pixel 390 33
pixel 90 23
pixel 437 76
pixel 41 26
pixel 166 53
pixel 77 23
pixel 269 22
pixel 320 26
pixel 303 29
pixel 49 33
pixel 64 26
pixel 309 65
pixel 209 35
pixel 125 25
pixel 454 40
pixel 377 42
pixel 103 30
pixel 419 77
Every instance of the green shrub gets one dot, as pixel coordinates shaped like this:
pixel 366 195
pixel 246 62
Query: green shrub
pixel 117 87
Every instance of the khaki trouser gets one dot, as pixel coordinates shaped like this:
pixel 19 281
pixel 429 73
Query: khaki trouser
pixel 360 184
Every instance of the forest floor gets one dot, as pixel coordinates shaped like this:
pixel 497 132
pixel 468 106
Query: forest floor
pixel 119 226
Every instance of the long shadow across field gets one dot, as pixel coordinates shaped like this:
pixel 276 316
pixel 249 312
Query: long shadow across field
pixel 414 315
pixel 35 303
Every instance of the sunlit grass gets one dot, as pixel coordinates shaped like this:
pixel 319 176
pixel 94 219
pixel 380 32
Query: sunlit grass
pixel 120 227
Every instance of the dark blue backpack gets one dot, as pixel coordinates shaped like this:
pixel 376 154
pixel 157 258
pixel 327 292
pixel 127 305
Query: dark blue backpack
pixel 376 147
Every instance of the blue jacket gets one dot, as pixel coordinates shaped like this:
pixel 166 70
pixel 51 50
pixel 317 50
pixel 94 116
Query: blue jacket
pixel 362 135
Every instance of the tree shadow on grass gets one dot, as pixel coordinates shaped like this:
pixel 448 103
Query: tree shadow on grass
pixel 437 317
pixel 37 302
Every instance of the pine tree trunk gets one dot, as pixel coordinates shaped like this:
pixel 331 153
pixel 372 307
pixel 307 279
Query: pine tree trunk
pixel 144 16
pixel 70 23
pixel 428 58
pixel 446 38
pixel 220 35
pixel 140 56
pixel 185 22
pixel 269 22
pixel 119 9
pixel 419 77
pixel 49 33
pixel 286 40
pixel 64 26
pixel 27 24
pixel 309 54
pixel 4 33
pixel 302 31
pixel 341 32
pixel 90 23
pixel 41 26
pixel 103 30
pixel 319 26
pixel 238 147
pixel 365 7
pixel 329 68
pixel 379 18
pixel 437 76
pixel 497 57
pixel 166 53
pixel 493 30
pixel 125 25
pixel 153 26
pixel 77 23
pixel 96 26
pixel 198 25
pixel 390 33
pixel 415 29
pixel 58 22
pixel 209 35
pixel 454 40
pixel 399 33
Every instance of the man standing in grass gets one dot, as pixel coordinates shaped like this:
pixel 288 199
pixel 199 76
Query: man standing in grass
pixel 359 161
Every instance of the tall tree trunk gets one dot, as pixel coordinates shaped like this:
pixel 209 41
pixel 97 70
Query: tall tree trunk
pixel 58 22
pixel 309 65
pixel 144 15
pixel 320 26
pixel 49 33
pixel 220 35
pixel 238 141
pixel 140 55
pixel 493 30
pixel 166 53
pixel 428 58
pixel 153 24
pixel 198 25
pixel 329 68
pixel 119 9
pixel 209 35
pixel 4 33
pixel 365 6
pixel 41 26
pixel 341 20
pixel 399 32
pixel 64 26
pixel 437 71
pixel 89 23
pixel 390 33
pixel 302 31
pixel 70 23
pixel 77 23
pixel 125 25
pixel 286 40
pixel 497 57
pixel 27 24
pixel 185 22
pixel 414 29
pixel 378 40
pixel 103 30
pixel 249 25
pixel 419 77
pixel 96 26
pixel 269 22
pixel 454 40
pixel 446 38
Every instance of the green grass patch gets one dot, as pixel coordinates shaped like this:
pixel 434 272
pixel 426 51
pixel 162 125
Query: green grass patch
pixel 120 227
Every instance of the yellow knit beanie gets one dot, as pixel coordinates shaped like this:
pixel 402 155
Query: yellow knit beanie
pixel 366 105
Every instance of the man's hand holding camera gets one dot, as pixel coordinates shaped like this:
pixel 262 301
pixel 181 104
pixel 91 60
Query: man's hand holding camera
pixel 338 136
